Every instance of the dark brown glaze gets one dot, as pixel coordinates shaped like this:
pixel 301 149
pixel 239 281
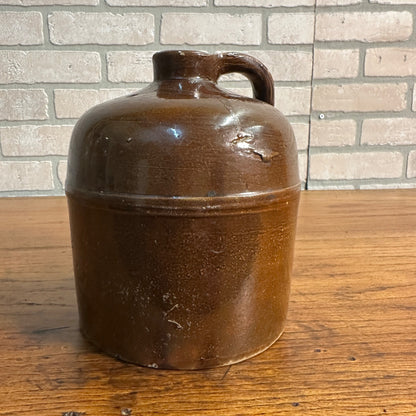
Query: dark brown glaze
pixel 183 202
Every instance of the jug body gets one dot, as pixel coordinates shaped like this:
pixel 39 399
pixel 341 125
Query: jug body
pixel 183 202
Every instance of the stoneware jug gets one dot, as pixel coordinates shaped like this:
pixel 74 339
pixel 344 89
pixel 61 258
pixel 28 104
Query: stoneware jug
pixel 183 202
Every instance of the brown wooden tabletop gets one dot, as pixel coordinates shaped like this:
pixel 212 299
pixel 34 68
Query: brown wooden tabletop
pixel 349 347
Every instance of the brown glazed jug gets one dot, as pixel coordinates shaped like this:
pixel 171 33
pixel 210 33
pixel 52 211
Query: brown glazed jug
pixel 183 202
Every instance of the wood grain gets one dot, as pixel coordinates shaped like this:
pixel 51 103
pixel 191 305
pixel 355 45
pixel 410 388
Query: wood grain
pixel 349 347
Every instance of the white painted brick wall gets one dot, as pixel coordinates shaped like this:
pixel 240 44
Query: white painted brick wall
pixel 336 63
pixel 293 100
pixel 360 97
pixel 31 67
pixel 344 71
pixel 301 131
pixel 175 3
pixel 101 28
pixel 364 26
pixel 411 165
pixel 368 165
pixel 290 101
pixel 26 176
pixel 286 65
pixel 337 2
pixel 399 62
pixel 23 104
pixel 74 103
pixel 33 140
pixel 18 28
pixel 333 132
pixel 303 166
pixel 264 3
pixel 414 98
pixel 391 185
pixel 198 29
pixel 61 171
pixel 392 131
pixel 130 66
pixel 291 28
pixel 51 2
pixel 393 1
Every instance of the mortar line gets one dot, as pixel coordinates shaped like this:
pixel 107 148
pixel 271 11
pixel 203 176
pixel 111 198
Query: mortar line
pixel 308 150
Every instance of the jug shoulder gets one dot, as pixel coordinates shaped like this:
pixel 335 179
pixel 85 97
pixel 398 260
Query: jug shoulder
pixel 145 144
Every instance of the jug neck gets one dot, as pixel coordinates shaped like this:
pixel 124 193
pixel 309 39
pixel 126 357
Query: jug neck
pixel 184 64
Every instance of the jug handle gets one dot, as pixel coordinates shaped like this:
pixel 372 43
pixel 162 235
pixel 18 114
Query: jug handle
pixel 259 76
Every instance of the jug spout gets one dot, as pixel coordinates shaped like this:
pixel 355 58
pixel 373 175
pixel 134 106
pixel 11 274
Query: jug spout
pixel 184 64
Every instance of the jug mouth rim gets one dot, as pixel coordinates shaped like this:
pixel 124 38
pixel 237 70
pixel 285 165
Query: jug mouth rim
pixel 179 64
pixel 182 52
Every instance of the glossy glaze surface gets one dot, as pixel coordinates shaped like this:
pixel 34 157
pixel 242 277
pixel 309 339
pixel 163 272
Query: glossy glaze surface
pixel 183 201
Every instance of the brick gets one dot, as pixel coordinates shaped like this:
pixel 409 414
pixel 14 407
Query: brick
pixel 68 28
pixel 414 98
pixel 30 140
pixel 303 166
pixel 301 131
pixel 233 76
pixel 336 63
pixel 264 3
pixel 393 1
pixel 72 103
pixel 293 100
pixel 392 131
pixel 21 28
pixel 175 3
pixel 411 164
pixel 210 28
pixel 358 165
pixel 19 104
pixel 283 65
pixel 25 175
pixel 337 2
pixel 286 65
pixel 61 171
pixel 51 2
pixel 49 66
pixel 316 187
pixel 333 132
pixel 244 91
pixel 404 185
pixel 291 28
pixel 399 62
pixel 364 26
pixel 360 97
pixel 130 66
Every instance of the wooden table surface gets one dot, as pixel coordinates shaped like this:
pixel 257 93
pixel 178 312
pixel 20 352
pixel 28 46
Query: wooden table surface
pixel 349 347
